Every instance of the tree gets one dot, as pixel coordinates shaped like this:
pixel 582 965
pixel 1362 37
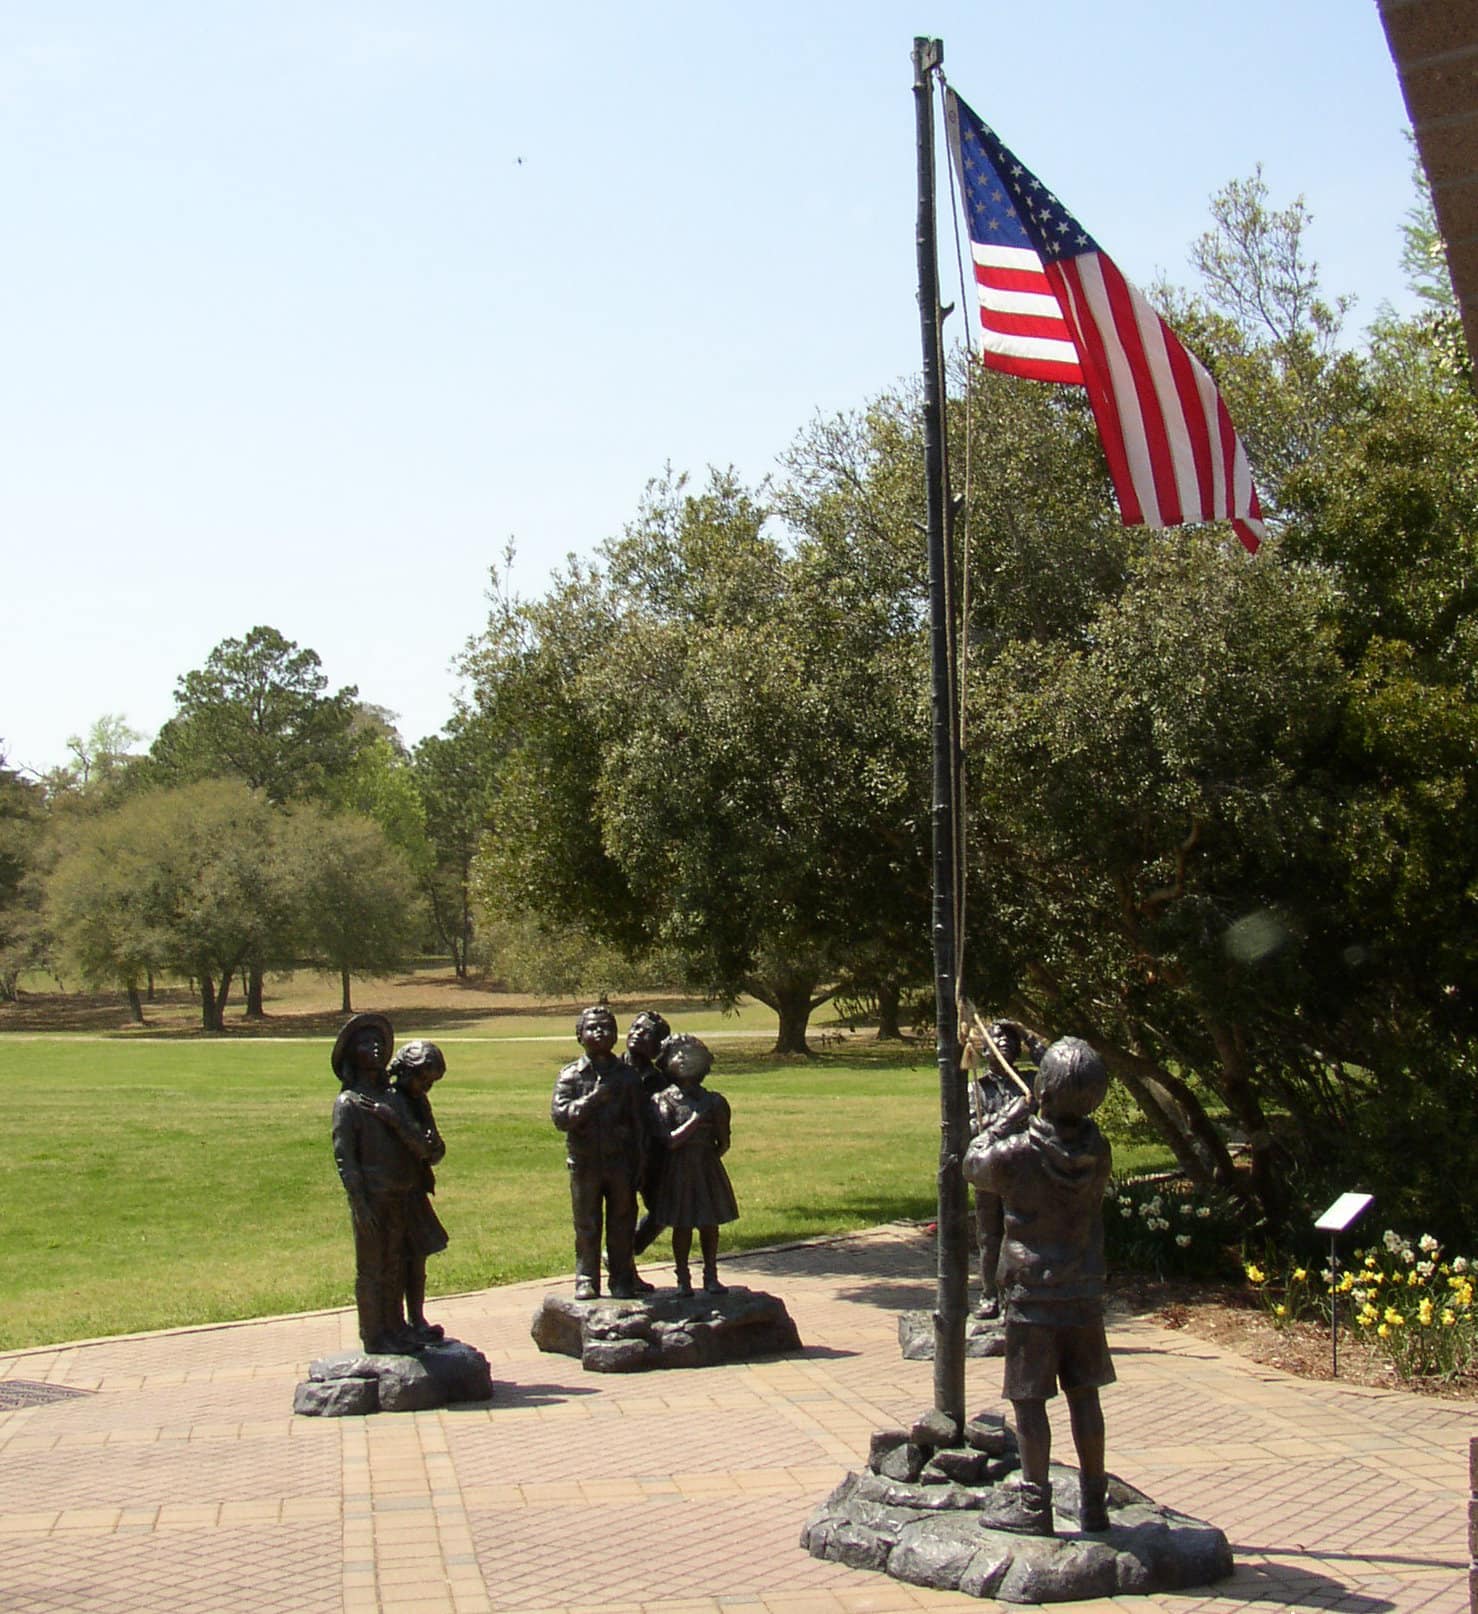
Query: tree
pixel 192 879
pixel 359 909
pixel 99 906
pixel 456 774
pixel 381 784
pixel 100 759
pixel 1230 814
pixel 22 829
pixel 693 765
pixel 257 711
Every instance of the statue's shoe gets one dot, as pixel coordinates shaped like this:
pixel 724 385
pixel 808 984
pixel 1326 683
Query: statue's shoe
pixel 1025 1510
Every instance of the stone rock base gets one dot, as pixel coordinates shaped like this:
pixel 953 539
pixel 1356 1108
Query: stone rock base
pixel 915 1515
pixel 665 1330
pixel 353 1383
pixel 916 1336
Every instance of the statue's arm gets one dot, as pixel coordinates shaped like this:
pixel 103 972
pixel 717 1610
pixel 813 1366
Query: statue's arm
pixel 567 1108
pixel 987 1163
pixel 435 1144
pixel 348 1118
pixel 423 1142
pixel 721 1120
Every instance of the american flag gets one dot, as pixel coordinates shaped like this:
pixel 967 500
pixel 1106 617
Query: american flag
pixel 1054 307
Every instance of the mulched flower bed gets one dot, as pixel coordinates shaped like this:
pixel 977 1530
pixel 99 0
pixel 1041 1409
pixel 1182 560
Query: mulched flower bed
pixel 1232 1318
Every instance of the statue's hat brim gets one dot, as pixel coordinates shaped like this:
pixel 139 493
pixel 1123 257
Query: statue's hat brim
pixel 350 1030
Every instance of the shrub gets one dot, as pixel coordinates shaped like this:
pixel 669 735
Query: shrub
pixel 1163 1226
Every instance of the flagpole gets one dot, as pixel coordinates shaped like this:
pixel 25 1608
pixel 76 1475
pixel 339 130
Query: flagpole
pixel 951 1294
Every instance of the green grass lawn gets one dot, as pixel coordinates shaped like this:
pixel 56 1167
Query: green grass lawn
pixel 152 1183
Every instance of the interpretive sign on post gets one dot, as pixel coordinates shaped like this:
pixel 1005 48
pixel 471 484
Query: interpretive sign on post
pixel 1341 1215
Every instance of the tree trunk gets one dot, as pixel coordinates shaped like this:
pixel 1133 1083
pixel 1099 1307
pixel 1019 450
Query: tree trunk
pixel 347 1006
pixel 1270 1161
pixel 210 1017
pixel 1175 1112
pixel 794 1010
pixel 221 996
pixel 889 996
pixel 135 1005
pixel 792 999
pixel 254 1009
pixel 465 952
pixel 148 986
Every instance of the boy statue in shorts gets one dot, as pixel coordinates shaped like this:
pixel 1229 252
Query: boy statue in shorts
pixel 1050 1170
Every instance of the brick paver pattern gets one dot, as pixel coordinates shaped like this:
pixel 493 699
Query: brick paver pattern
pixel 184 1485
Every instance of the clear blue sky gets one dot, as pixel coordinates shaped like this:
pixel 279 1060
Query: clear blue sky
pixel 309 307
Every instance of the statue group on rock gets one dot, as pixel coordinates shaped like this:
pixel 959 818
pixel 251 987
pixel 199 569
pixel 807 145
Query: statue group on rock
pixel 385 1145
pixel 642 1125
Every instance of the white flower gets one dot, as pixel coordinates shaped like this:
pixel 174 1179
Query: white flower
pixel 1427 1243
pixel 1203 1213
pixel 1460 1264
pixel 1392 1241
pixel 1125 1201
pixel 1425 1269
pixel 1187 1209
pixel 1127 1210
pixel 1183 1239
pixel 1408 1255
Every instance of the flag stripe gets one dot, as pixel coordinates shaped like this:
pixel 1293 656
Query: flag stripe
pixel 1041 305
pixel 1005 278
pixel 1024 345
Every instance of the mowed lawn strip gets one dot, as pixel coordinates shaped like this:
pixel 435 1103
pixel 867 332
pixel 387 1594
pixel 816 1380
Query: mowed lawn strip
pixel 165 1182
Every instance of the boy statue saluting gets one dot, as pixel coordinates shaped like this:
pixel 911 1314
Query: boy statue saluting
pixel 1050 1170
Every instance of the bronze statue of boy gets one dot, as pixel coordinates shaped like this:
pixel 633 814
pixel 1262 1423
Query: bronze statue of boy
pixel 599 1106
pixel 1050 1170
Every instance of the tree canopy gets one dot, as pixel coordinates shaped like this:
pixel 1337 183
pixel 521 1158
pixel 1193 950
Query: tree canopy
pixel 257 711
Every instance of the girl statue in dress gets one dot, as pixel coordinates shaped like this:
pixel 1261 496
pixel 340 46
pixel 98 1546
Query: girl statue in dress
pixel 694 1190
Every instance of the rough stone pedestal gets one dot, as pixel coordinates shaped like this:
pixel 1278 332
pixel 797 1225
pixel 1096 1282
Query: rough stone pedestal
pixel 916 1336
pixel 665 1330
pixel 353 1383
pixel 915 1514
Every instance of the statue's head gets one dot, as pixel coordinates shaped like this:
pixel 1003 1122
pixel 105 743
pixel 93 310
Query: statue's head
pixel 418 1065
pixel 646 1034
pixel 685 1058
pixel 1007 1039
pixel 596 1029
pixel 363 1043
pixel 1072 1080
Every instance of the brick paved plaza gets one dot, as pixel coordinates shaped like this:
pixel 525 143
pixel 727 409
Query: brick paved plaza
pixel 185 1483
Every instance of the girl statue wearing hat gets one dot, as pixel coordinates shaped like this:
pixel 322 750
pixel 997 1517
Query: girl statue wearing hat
pixel 379 1151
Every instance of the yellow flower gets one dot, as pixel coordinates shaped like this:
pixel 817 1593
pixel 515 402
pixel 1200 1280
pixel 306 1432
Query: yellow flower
pixel 1448 1318
pixel 1280 1311
pixel 1255 1274
pixel 1347 1283
pixel 1299 1274
pixel 1394 1317
pixel 1424 1313
pixel 1383 1330
pixel 1412 1280
pixel 1370 1260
